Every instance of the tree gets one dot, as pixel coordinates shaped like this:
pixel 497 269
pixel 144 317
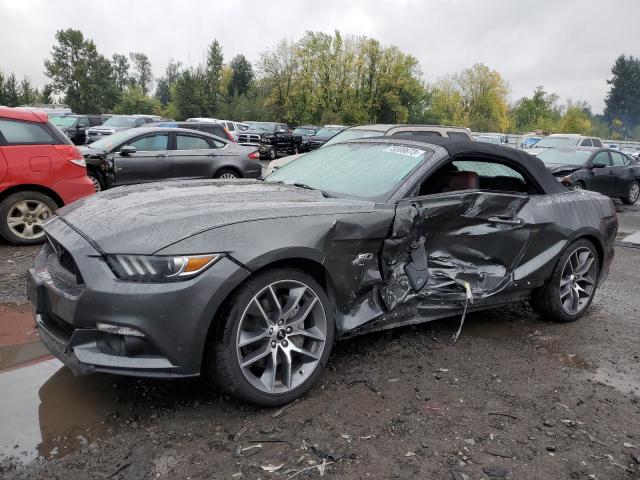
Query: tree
pixel 2 94
pixel 241 75
pixel 80 73
pixel 540 112
pixel 142 75
pixel 623 100
pixel 133 100
pixel 165 84
pixel 575 120
pixel 190 93
pixel 121 76
pixel 11 95
pixel 213 76
pixel 46 95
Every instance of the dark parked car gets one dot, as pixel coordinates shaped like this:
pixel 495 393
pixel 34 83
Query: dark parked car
pixel 75 126
pixel 251 282
pixel 271 139
pixel 118 123
pixel 599 169
pixel 154 154
pixel 212 128
pixel 321 137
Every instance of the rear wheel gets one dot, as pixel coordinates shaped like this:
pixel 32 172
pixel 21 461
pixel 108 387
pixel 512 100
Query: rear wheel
pixel 273 153
pixel 572 285
pixel 226 173
pixel 22 216
pixel 295 150
pixel 276 340
pixel 632 194
pixel 96 180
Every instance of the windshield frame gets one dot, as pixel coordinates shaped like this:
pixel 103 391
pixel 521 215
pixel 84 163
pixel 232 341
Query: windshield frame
pixel 381 198
pixel 132 121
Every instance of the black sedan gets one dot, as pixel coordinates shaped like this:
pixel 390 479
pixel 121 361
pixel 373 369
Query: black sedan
pixel 154 154
pixel 250 282
pixel 321 137
pixel 599 169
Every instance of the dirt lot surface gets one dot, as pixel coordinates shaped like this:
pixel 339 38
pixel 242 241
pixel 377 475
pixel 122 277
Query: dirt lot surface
pixel 517 397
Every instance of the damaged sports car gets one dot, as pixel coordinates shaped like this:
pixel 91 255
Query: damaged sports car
pixel 250 282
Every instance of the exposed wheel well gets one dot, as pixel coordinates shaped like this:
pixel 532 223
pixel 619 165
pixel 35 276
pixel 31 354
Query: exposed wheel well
pixel 32 187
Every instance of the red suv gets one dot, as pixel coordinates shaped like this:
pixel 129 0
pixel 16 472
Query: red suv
pixel 40 170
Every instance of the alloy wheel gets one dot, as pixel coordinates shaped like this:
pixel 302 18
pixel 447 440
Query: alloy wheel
pixel 281 336
pixel 228 175
pixel 577 186
pixel 26 218
pixel 634 192
pixel 577 282
pixel 96 183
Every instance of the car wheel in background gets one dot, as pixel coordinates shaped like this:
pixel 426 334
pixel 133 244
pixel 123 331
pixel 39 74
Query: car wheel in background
pixel 572 285
pixel 632 194
pixel 273 153
pixel 226 173
pixel 22 216
pixel 96 180
pixel 578 186
pixel 295 150
pixel 276 339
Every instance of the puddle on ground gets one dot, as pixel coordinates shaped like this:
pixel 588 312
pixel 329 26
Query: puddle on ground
pixel 625 382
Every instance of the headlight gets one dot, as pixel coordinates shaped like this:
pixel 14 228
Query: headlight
pixel 155 268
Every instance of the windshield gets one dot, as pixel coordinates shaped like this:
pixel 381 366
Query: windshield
pixel 352 133
pixel 265 127
pixel 107 143
pixel 494 140
pixel 119 122
pixel 327 132
pixel 304 131
pixel 63 121
pixel 565 157
pixel 552 142
pixel 365 170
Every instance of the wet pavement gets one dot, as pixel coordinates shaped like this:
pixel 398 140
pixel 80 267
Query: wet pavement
pixel 515 393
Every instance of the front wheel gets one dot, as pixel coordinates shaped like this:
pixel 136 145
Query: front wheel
pixel 226 174
pixel 632 194
pixel 295 150
pixel 96 180
pixel 572 285
pixel 276 340
pixel 273 153
pixel 578 186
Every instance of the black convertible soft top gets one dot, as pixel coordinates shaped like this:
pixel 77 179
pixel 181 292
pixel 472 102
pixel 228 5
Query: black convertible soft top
pixel 518 158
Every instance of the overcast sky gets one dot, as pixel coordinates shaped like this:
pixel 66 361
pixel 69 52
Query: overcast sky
pixel 566 45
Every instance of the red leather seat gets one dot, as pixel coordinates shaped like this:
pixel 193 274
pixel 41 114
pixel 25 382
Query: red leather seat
pixel 462 181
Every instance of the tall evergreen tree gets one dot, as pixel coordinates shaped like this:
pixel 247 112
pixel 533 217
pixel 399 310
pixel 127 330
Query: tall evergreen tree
pixel 623 100
pixel 142 75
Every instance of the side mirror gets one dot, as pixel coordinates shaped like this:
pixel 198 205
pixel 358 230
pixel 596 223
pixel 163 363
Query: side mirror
pixel 127 150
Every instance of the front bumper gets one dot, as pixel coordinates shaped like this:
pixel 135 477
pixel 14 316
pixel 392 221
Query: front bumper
pixel 174 317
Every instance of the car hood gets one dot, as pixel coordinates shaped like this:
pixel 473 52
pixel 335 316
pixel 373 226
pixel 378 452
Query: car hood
pixel 102 128
pixel 142 219
pixel 536 151
pixel 87 151
pixel 558 168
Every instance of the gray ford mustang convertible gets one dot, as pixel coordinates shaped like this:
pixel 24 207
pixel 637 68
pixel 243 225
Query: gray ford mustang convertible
pixel 250 282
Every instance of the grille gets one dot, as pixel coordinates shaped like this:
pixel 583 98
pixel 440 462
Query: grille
pixel 66 262
pixel 248 138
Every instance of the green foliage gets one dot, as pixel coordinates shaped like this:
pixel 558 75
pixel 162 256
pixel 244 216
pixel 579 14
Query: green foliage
pixel 133 100
pixel 166 83
pixel 623 100
pixel 241 75
pixel 142 75
pixel 540 112
pixel 575 120
pixel 121 76
pixel 80 73
pixel 11 94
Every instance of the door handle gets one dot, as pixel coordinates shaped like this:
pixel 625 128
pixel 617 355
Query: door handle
pixel 506 220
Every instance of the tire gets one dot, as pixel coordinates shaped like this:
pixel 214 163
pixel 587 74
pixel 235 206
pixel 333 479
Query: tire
pixel 558 297
pixel 273 153
pixel 632 194
pixel 96 179
pixel 295 150
pixel 22 215
pixel 578 186
pixel 242 317
pixel 227 174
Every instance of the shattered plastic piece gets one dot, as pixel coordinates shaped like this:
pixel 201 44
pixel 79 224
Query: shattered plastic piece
pixel 285 408
pixel 271 468
pixel 237 436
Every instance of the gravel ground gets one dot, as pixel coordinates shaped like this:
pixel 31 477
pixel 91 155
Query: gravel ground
pixel 516 397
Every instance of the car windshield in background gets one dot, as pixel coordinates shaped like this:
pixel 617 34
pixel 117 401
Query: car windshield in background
pixel 352 134
pixel 365 170
pixel 267 127
pixel 565 157
pixel 119 122
pixel 63 121
pixel 304 131
pixel 493 140
pixel 109 142
pixel 327 132
pixel 552 142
